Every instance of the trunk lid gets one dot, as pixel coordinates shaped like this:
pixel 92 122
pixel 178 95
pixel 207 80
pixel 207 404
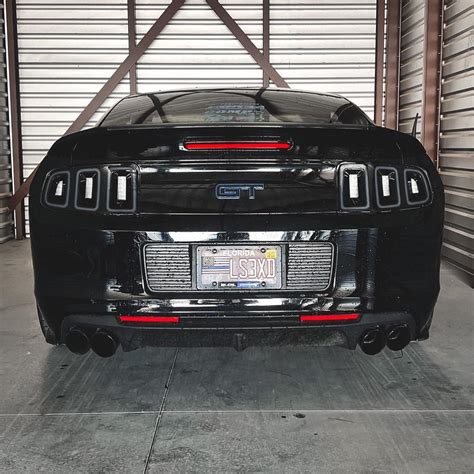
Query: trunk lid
pixel 299 180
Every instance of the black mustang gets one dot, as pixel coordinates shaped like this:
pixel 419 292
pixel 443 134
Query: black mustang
pixel 236 217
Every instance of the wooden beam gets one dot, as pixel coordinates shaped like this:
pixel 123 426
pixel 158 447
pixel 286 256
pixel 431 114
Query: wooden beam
pixel 16 150
pixel 245 41
pixel 131 19
pixel 21 192
pixel 266 37
pixel 379 56
pixel 392 85
pixel 108 87
pixel 431 95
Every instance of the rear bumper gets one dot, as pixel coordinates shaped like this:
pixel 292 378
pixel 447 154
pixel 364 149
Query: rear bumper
pixel 99 274
pixel 220 331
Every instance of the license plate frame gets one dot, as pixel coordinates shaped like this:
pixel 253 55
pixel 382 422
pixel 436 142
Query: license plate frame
pixel 214 280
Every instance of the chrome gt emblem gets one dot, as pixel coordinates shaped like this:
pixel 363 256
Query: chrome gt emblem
pixel 235 191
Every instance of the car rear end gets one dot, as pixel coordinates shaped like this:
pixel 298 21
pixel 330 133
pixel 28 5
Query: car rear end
pixel 236 234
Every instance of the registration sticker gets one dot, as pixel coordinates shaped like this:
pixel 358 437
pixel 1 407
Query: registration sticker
pixel 271 253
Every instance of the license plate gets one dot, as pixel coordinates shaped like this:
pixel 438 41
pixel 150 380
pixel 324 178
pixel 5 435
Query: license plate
pixel 239 267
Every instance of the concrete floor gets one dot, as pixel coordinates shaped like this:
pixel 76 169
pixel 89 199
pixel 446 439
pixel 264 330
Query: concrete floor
pixel 266 409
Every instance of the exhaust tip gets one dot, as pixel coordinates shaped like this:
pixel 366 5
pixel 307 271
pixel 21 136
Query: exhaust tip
pixel 398 337
pixel 372 341
pixel 77 341
pixel 104 344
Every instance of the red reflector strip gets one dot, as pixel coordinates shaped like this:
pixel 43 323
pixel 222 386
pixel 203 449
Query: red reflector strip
pixel 237 146
pixel 150 319
pixel 327 318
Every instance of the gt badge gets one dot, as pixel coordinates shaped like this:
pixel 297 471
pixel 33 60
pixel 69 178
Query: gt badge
pixel 235 191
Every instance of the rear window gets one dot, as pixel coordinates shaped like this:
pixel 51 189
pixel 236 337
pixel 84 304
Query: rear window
pixel 235 106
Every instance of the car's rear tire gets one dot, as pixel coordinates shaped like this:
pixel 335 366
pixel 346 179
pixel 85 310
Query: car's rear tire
pixel 48 333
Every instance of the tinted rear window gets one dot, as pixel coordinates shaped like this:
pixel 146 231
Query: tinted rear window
pixel 235 106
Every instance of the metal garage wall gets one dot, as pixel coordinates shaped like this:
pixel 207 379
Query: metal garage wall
pixel 68 49
pixel 196 49
pixel 326 46
pixel 457 132
pixel 411 64
pixel 6 224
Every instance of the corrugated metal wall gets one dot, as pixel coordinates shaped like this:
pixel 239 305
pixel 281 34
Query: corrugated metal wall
pixel 196 49
pixel 326 46
pixel 68 49
pixel 6 224
pixel 411 64
pixel 457 132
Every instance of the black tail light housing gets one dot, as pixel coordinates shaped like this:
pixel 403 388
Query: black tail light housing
pixel 121 189
pixel 87 189
pixel 387 188
pixel 83 189
pixel 416 187
pixel 57 189
pixel 354 187
pixel 368 188
pixel 361 188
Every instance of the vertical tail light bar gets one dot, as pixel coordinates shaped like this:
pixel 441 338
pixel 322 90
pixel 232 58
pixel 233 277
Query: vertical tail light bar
pixel 354 187
pixel 387 190
pixel 57 189
pixel 87 189
pixel 121 189
pixel 416 187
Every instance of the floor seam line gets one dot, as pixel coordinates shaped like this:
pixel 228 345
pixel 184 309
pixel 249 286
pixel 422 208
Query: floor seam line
pixel 160 412
pixel 330 410
pixel 281 410
pixel 94 413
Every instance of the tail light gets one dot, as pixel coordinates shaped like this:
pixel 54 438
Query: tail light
pixel 387 187
pixel 354 187
pixel 416 186
pixel 362 187
pixel 87 189
pixel 57 189
pixel 121 190
pixel 81 189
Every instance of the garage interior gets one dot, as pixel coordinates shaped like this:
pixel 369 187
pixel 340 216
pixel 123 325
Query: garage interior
pixel 64 63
